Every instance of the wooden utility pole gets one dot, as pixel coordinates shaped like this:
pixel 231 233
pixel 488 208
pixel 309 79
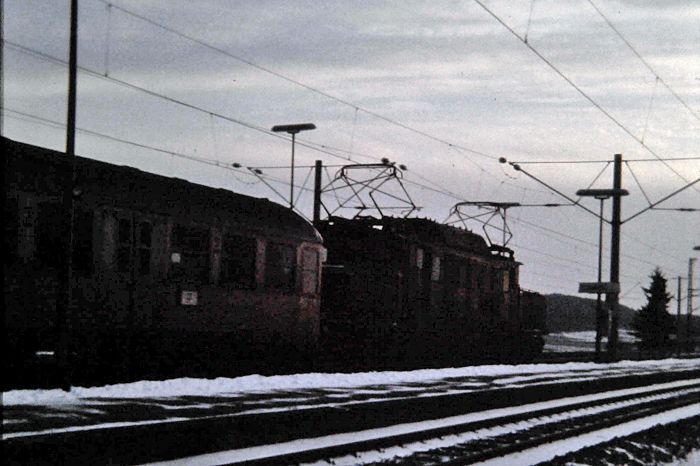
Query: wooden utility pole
pixel 66 276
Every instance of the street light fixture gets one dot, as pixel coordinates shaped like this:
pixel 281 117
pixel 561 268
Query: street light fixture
pixel 293 130
pixel 599 288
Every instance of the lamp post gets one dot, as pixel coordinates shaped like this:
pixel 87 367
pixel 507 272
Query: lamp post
pixel 293 130
pixel 599 288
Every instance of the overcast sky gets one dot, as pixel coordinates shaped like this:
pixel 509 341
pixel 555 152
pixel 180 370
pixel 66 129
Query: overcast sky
pixel 445 87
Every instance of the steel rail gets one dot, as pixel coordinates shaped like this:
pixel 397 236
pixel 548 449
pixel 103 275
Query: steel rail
pixel 667 397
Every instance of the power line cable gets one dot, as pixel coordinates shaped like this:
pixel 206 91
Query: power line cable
pixel 649 67
pixel 251 171
pixel 578 89
pixel 193 158
pixel 571 162
pixel 321 148
pixel 567 239
pixel 639 185
pixel 293 81
pixel 651 104
pixel 318 147
pixel 43 56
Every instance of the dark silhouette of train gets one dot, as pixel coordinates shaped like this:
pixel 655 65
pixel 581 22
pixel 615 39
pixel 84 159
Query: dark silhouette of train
pixel 410 292
pixel 171 277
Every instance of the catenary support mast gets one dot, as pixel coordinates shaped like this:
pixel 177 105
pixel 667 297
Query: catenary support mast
pixel 616 223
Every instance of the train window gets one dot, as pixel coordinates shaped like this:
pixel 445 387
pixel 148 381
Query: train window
pixel 309 271
pixel 436 273
pixel 11 238
pixel 83 229
pixel 279 266
pixel 124 245
pixel 49 237
pixel 192 243
pixel 145 235
pixel 419 258
pixel 238 261
pixel 506 280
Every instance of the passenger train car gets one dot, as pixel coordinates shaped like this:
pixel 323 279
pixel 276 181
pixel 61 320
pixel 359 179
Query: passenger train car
pixel 165 272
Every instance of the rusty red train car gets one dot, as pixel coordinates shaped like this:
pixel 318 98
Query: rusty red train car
pixel 164 270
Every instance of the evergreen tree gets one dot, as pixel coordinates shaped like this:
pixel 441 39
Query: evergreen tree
pixel 653 324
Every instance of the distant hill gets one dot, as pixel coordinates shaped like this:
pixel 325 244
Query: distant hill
pixel 572 314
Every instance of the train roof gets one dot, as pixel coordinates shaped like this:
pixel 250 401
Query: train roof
pixel 421 230
pixel 33 168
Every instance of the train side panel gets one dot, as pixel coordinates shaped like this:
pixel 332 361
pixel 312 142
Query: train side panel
pixel 414 291
pixel 160 266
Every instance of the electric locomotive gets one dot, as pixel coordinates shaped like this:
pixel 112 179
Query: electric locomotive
pixel 410 292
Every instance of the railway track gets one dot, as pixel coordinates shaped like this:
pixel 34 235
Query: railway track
pixel 473 437
pixel 427 427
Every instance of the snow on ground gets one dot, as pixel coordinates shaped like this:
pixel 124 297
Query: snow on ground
pixel 463 379
pixel 507 375
pixel 550 451
pixel 563 342
pixel 673 444
pixel 625 336
pixel 693 459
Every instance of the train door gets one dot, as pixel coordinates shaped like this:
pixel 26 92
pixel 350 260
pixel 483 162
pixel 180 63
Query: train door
pixel 132 237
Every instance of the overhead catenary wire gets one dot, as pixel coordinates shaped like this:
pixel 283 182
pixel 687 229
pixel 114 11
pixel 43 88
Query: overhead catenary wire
pixel 573 162
pixel 651 206
pixel 108 33
pixel 193 158
pixel 579 89
pixel 294 81
pixel 250 171
pixel 648 66
pixel 651 104
pixel 529 19
pixel 587 246
pixel 110 5
pixel 320 148
pixel 128 85
pixel 639 185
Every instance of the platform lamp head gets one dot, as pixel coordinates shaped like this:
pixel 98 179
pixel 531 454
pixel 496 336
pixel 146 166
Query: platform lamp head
pixel 293 130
